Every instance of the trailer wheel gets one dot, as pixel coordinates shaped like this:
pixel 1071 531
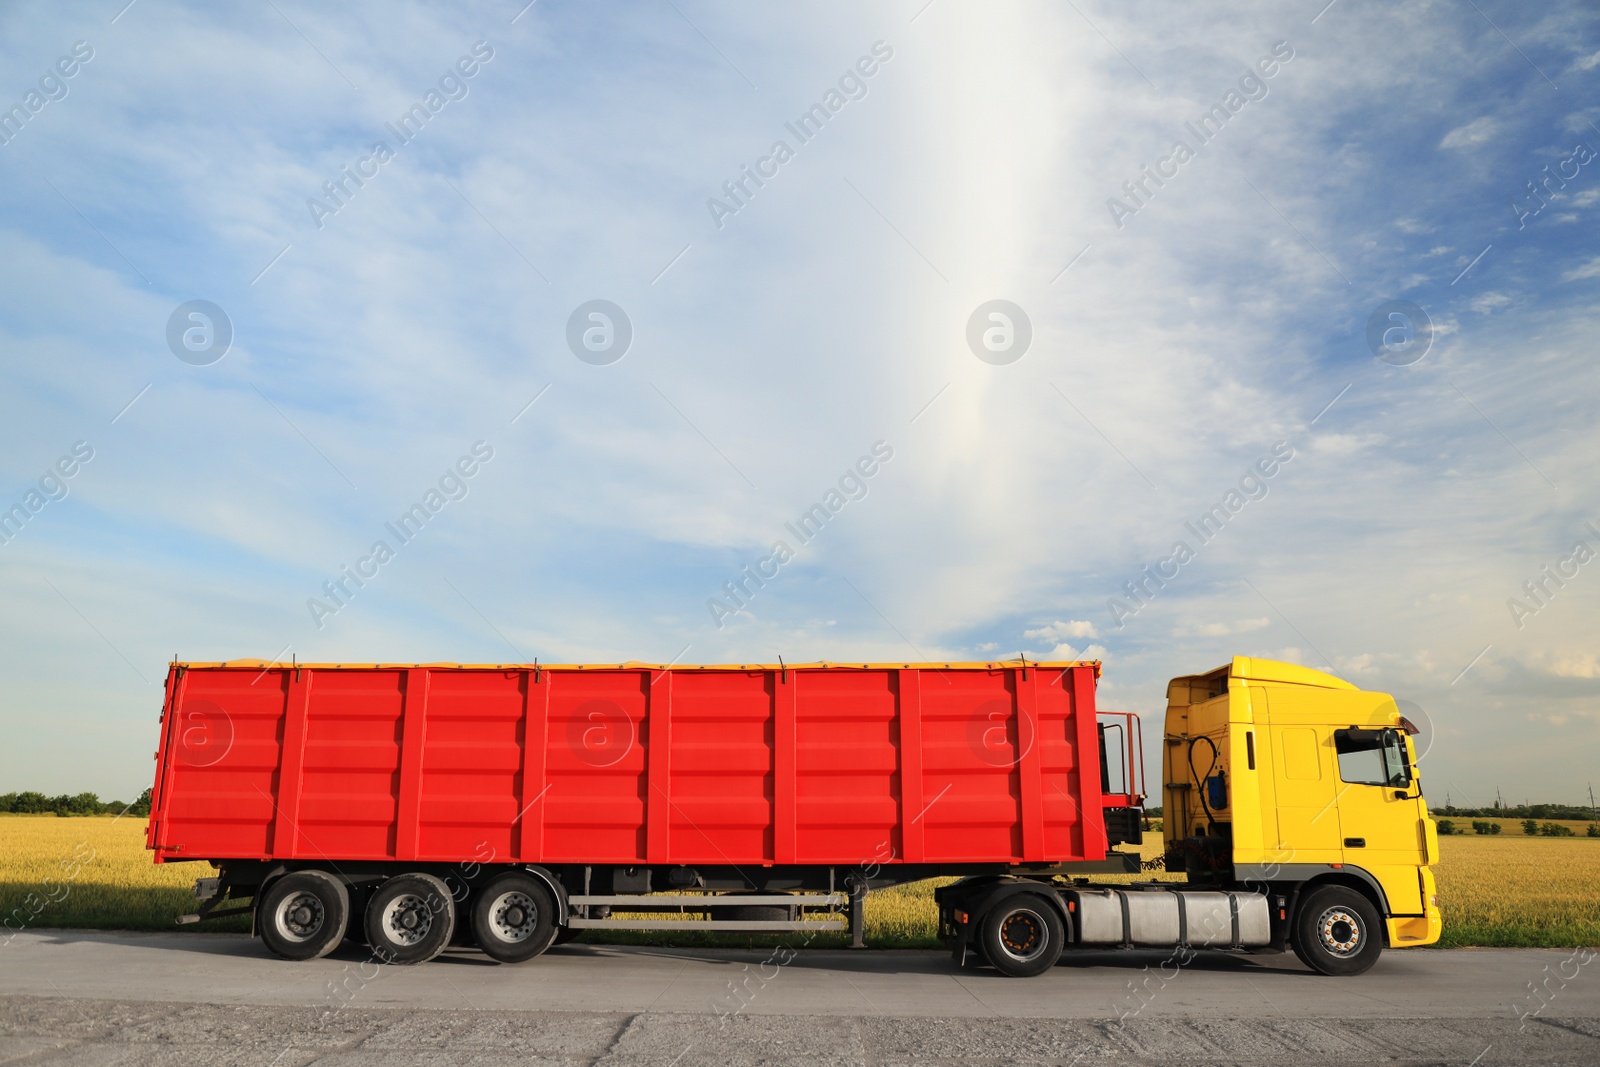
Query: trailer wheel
pixel 514 918
pixel 1337 932
pixel 304 915
pixel 1022 936
pixel 410 919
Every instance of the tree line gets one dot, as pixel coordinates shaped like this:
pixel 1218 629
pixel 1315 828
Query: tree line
pixel 65 805
pixel 1570 812
pixel 1530 828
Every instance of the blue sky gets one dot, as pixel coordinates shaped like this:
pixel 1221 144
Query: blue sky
pixel 773 347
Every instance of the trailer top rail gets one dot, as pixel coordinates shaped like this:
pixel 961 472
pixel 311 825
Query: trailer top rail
pixel 636 665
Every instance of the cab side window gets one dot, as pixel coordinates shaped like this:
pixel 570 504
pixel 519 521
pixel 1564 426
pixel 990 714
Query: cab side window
pixel 1372 757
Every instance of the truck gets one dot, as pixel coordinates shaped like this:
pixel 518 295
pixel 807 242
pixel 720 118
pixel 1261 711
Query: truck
pixel 511 807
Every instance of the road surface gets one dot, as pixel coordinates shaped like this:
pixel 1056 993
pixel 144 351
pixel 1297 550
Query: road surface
pixel 220 999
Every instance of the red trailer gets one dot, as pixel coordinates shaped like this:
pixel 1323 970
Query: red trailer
pixel 385 800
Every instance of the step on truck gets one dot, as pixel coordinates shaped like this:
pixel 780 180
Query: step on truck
pixel 510 807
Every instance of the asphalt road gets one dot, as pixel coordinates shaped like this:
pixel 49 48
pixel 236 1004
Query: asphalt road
pixel 220 999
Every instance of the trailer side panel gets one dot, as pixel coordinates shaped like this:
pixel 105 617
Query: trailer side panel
pixel 815 765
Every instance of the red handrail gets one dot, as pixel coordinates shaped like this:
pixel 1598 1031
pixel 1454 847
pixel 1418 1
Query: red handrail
pixel 1133 778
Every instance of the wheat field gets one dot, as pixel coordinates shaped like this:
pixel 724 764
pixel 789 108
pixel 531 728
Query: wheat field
pixel 1520 891
pixel 94 872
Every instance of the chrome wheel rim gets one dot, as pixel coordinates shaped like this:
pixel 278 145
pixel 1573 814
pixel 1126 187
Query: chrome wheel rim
pixel 1023 935
pixel 513 916
pixel 1340 932
pixel 407 919
pixel 299 916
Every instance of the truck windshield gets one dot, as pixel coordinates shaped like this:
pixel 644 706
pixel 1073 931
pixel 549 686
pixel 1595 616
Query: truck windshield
pixel 1372 757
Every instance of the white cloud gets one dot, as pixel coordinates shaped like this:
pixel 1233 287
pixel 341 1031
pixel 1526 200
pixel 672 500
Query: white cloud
pixel 1223 629
pixel 1474 133
pixel 1489 303
pixel 1068 652
pixel 1060 631
pixel 1345 444
pixel 1570 664
pixel 1588 269
pixel 1361 664
pixel 1375 669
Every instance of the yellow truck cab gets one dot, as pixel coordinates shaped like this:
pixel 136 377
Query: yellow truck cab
pixel 1298 785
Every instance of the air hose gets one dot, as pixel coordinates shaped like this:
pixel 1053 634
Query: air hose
pixel 1201 779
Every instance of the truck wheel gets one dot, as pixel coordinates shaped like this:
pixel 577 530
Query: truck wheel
pixel 1023 936
pixel 1337 932
pixel 410 919
pixel 304 915
pixel 514 918
pixel 565 934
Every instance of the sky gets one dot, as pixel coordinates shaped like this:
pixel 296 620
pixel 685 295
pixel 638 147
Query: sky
pixel 273 274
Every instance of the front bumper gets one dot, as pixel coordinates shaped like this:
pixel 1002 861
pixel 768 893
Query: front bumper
pixel 1416 930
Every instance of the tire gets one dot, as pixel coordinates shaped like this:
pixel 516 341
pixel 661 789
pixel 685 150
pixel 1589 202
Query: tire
pixel 514 918
pixel 565 934
pixel 410 919
pixel 1337 931
pixel 303 915
pixel 1023 935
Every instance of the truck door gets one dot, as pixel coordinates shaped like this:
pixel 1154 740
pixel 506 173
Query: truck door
pixel 1307 796
pixel 1380 811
